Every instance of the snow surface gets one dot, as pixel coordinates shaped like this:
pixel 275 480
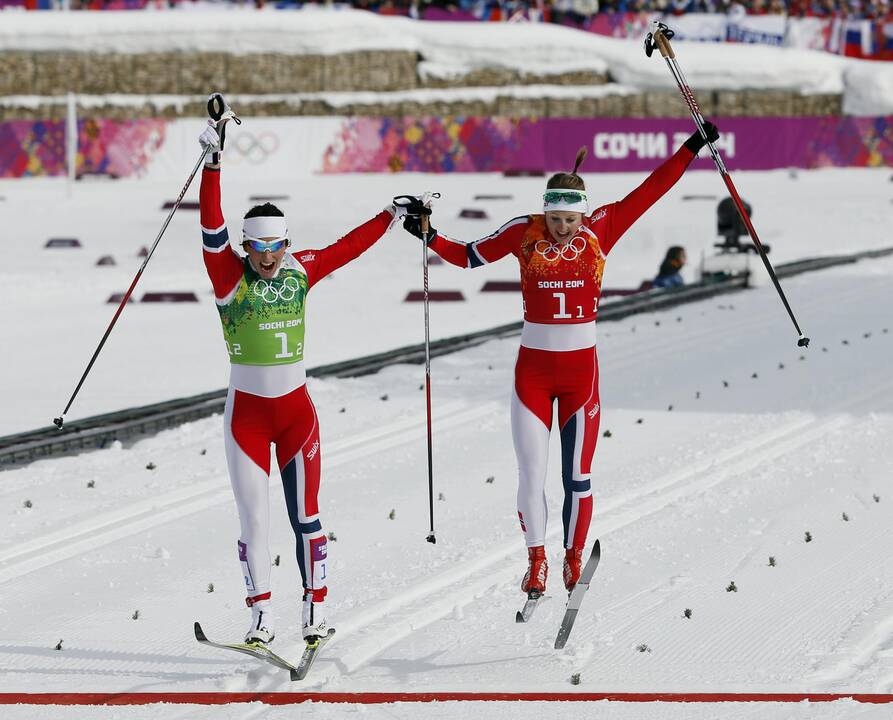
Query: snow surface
pixel 57 297
pixel 452 49
pixel 763 443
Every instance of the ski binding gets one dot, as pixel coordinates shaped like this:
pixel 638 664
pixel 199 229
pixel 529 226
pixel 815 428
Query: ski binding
pixel 534 598
pixel 309 656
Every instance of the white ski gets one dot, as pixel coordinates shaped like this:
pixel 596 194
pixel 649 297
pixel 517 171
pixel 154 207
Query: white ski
pixel 534 598
pixel 577 595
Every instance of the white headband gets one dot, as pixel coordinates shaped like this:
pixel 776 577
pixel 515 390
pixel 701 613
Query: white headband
pixel 258 228
pixel 580 206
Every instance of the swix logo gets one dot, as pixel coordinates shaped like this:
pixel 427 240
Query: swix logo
pixel 541 575
pixel 599 215
pixel 308 257
pixel 592 413
pixel 313 451
pixel 521 518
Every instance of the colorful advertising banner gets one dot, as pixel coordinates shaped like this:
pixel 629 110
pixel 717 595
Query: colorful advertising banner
pixel 614 144
pixel 115 148
pixel 301 147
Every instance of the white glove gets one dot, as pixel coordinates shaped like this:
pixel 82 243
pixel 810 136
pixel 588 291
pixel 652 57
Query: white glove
pixel 210 142
pixel 398 212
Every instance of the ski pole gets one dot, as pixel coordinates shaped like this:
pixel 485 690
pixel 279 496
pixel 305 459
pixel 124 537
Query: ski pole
pixel 216 107
pixel 424 223
pixel 61 419
pixel 421 210
pixel 660 39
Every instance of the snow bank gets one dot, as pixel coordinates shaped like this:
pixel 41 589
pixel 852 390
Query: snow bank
pixel 236 30
pixel 869 89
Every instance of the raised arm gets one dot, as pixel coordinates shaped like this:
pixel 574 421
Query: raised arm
pixel 319 263
pixel 619 216
pixel 222 263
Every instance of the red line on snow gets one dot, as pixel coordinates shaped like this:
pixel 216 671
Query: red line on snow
pixel 290 698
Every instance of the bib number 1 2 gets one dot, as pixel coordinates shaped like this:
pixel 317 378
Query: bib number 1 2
pixel 284 353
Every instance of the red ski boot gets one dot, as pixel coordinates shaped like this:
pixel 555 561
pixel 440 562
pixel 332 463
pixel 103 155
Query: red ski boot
pixel 537 570
pixel 573 559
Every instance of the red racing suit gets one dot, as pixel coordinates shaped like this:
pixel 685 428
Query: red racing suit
pixel 557 361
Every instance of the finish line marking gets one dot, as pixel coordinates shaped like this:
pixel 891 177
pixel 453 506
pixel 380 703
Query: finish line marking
pixel 292 698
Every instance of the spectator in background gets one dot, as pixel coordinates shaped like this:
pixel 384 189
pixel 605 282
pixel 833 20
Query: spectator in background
pixel 669 275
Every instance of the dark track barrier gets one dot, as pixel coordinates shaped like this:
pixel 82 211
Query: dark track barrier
pixel 100 430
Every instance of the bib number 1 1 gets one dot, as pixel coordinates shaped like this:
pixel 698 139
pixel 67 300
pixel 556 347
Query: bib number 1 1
pixel 562 313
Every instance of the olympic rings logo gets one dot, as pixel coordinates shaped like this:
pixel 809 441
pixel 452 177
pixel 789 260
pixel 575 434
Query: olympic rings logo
pixel 569 251
pixel 271 294
pixel 255 149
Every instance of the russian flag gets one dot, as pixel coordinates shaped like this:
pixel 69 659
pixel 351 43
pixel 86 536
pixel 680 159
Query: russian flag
pixel 858 39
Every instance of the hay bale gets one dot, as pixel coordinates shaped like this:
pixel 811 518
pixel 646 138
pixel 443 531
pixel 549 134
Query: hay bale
pixel 369 70
pixel 198 72
pixel 17 71
pixel 152 74
pixel 521 107
pixel 728 103
pixel 632 105
pixel 664 103
pixel 56 73
pixel 579 77
pixel 767 103
pixel 812 105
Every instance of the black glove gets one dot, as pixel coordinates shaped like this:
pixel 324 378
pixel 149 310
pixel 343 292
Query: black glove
pixel 413 225
pixel 696 141
pixel 412 205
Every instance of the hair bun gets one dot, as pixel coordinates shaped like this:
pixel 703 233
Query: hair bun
pixel 581 156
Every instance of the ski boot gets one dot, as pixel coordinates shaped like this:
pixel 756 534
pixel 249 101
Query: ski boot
pixel 534 582
pixel 573 560
pixel 261 630
pixel 313 625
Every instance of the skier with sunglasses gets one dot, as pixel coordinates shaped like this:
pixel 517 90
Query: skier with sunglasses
pixel 561 254
pixel 261 299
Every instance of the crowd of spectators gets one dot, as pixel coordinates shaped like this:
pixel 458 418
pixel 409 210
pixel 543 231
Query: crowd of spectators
pixel 576 12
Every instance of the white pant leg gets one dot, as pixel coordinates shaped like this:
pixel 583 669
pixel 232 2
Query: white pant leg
pixel 531 440
pixel 251 489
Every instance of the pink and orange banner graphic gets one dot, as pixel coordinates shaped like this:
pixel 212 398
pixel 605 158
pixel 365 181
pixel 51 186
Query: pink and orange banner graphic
pixel 115 148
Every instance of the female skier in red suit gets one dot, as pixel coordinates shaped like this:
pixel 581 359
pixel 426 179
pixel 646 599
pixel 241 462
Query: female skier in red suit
pixel 561 254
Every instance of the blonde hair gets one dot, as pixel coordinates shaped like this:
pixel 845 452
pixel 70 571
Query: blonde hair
pixel 569 181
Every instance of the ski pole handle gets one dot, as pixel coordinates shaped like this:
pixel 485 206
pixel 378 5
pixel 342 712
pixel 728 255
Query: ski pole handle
pixel 663 44
pixel 216 106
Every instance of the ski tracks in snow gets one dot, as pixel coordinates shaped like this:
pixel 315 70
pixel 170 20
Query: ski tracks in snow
pixel 140 516
pixel 364 636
